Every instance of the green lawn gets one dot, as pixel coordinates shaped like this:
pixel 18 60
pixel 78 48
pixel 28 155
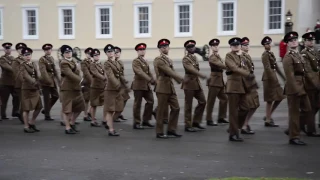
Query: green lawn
pixel 243 178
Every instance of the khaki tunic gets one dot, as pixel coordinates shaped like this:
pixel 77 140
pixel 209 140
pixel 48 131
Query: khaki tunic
pixel 48 71
pixel 7 74
pixel 30 95
pixel 272 91
pixel 87 78
pixel 17 74
pixel 125 93
pixel 98 84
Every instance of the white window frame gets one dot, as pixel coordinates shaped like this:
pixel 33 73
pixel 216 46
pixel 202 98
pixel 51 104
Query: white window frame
pixel 220 31
pixel 178 3
pixel 25 29
pixel 266 18
pixel 60 21
pixel 98 22
pixel 138 5
pixel 1 22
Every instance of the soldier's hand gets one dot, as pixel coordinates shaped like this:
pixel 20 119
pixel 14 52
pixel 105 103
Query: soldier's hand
pixel 153 82
pixel 250 77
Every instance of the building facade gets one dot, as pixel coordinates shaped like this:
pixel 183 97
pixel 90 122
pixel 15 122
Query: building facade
pixel 95 23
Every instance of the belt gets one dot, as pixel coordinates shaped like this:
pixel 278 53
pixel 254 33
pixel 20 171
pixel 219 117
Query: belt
pixel 216 70
pixel 229 73
pixel 299 73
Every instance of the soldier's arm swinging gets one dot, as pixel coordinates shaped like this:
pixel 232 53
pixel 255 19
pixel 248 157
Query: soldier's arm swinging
pixel 111 78
pixel 138 71
pixel 234 68
pixel 67 72
pixel 4 65
pixel 43 71
pixel 190 68
pixel 289 72
pixel 168 71
pixel 95 72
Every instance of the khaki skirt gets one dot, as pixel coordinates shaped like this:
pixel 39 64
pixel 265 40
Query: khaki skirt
pixel 252 100
pixel 30 100
pixel 125 95
pixel 96 97
pixel 72 101
pixel 114 101
pixel 272 91
pixel 86 94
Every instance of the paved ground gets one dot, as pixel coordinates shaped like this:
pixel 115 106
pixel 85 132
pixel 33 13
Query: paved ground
pixel 93 155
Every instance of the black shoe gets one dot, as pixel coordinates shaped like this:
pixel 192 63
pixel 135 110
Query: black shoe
pixel 173 134
pixel 137 126
pixel 113 133
pixel 196 125
pixel 162 136
pixel 286 132
pixel 297 141
pixel 87 119
pixel 89 115
pixel 312 134
pixel 211 123
pixel 70 131
pixel 235 138
pixel 32 126
pixel 48 118
pixel 74 127
pixel 43 112
pixel 4 118
pixel 62 123
pixel 121 117
pixel 106 126
pixel 247 130
pixel 165 121
pixel 270 124
pixel 104 123
pixel 16 115
pixel 190 129
pixel 95 124
pixel 223 121
pixel 28 130
pixel 147 124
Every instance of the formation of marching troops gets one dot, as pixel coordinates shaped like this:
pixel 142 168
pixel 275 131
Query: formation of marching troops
pixel 105 85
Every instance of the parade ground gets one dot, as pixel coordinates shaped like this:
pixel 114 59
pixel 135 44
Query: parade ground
pixel 139 155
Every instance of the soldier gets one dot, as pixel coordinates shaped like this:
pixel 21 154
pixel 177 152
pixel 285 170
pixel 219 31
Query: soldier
pixel 141 88
pixel 126 96
pixel 166 93
pixel 192 89
pixel 49 76
pixel 312 71
pixel 272 91
pixel 294 68
pixel 216 85
pixel 252 96
pixel 98 84
pixel 237 73
pixel 114 103
pixel 17 83
pixel 86 83
pixel 6 81
pixel 71 96
pixel 30 91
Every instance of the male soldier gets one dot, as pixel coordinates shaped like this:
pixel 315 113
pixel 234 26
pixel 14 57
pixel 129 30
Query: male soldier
pixel 312 69
pixel 126 96
pixel 86 83
pixel 216 85
pixel 6 81
pixel 17 112
pixel 237 73
pixel 165 91
pixel 294 68
pixel 49 76
pixel 252 97
pixel 141 88
pixel 192 89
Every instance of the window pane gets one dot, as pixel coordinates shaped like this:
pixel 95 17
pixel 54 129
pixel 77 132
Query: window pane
pixel 275 14
pixel 105 21
pixel 143 20
pixel 67 21
pixel 227 17
pixel 184 18
pixel 31 22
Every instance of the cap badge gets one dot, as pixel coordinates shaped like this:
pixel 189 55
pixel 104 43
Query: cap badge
pixel 310 35
pixel 67 48
pixel 235 40
pixel 20 44
pixel 214 41
pixel 164 41
pixel 267 39
pixel 26 51
pixel 291 35
pixel 109 47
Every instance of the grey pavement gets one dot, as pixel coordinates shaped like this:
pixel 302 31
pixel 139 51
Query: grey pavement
pixel 137 154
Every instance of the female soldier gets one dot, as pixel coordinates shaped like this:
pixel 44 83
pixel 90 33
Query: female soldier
pixel 114 102
pixel 97 86
pixel 30 94
pixel 272 91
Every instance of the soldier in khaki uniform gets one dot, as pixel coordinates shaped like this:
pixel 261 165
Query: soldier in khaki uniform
pixel 70 91
pixel 192 89
pixel 6 81
pixel 237 73
pixel 86 83
pixel 312 69
pixel 99 81
pixel 165 90
pixel 17 81
pixel 252 96
pixel 126 96
pixel 272 91
pixel 295 88
pixel 30 91
pixel 216 85
pixel 49 80
pixel 142 89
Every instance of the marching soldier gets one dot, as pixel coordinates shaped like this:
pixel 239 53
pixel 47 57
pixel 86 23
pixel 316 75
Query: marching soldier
pixel 30 91
pixel 17 81
pixel 216 85
pixel 192 89
pixel 6 81
pixel 49 76
pixel 86 83
pixel 312 69
pixel 70 91
pixel 126 96
pixel 252 96
pixel 294 68
pixel 237 73
pixel 165 91
pixel 98 84
pixel 272 91
pixel 141 88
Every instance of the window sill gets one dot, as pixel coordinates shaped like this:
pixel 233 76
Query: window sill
pixel 30 37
